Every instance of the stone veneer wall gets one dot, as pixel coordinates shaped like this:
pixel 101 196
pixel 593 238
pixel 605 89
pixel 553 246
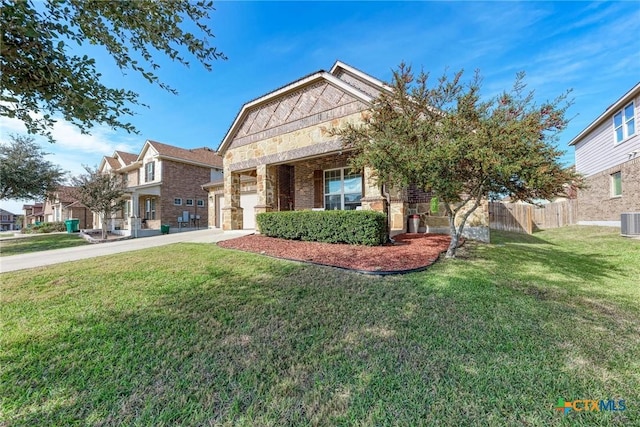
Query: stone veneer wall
pixel 595 203
pixel 289 147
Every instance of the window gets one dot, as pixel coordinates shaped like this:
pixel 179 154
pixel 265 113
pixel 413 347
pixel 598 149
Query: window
pixel 616 184
pixel 200 203
pixel 149 171
pixel 342 189
pixel 624 124
pixel 189 202
pixel 177 202
pixel 150 209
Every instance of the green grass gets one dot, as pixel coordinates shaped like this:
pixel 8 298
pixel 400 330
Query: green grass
pixel 38 243
pixel 193 334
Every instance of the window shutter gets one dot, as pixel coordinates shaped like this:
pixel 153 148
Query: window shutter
pixel 318 190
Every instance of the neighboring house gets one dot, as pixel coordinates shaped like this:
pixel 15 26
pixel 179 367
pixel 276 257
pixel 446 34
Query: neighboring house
pixel 33 214
pixel 164 186
pixel 62 204
pixel 608 155
pixel 279 154
pixel 7 220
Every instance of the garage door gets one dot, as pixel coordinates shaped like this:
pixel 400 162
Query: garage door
pixel 248 202
pixel 219 212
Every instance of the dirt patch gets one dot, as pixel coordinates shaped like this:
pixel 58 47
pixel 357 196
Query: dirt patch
pixel 409 252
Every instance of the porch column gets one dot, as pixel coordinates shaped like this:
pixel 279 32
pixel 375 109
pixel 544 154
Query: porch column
pixel 231 212
pixel 135 213
pixel 398 210
pixel 265 188
pixel 372 199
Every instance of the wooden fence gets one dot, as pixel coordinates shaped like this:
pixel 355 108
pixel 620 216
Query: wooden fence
pixel 526 218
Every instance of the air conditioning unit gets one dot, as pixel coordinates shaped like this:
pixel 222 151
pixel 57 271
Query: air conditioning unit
pixel 630 224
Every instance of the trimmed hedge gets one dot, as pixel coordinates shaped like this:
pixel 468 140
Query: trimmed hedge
pixel 352 227
pixel 45 227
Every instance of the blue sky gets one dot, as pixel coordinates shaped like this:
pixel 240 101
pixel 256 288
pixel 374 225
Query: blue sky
pixel 592 48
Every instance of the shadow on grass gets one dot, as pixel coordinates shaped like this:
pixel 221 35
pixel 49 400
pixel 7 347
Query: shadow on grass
pixel 282 344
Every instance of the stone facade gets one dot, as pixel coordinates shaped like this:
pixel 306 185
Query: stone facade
pixel 287 134
pixel 310 141
pixel 596 203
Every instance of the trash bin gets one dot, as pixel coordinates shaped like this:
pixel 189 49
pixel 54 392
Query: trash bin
pixel 75 225
pixel 164 229
pixel 414 223
pixel 67 223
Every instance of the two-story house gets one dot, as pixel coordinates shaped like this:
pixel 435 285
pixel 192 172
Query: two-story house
pixel 607 153
pixel 7 220
pixel 33 214
pixel 62 204
pixel 164 186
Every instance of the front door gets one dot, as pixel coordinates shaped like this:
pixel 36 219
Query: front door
pixel 286 188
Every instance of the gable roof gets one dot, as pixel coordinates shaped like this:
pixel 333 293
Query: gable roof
pixel 202 156
pixel 127 158
pixel 612 109
pixel 329 77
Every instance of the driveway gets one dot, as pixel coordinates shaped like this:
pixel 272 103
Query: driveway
pixel 56 256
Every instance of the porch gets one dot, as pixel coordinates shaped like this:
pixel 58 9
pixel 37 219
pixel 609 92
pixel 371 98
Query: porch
pixel 318 183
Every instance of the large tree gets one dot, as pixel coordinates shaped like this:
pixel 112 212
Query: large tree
pixel 43 76
pixel 444 138
pixel 24 173
pixel 101 193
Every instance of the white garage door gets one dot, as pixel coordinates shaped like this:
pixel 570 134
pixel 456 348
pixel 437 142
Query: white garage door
pixel 247 202
pixel 219 214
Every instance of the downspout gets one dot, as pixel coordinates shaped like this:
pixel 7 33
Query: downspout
pixel 387 197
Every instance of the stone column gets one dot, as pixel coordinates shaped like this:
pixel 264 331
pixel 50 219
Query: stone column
pixel 265 188
pixel 231 212
pixel 397 212
pixel 372 199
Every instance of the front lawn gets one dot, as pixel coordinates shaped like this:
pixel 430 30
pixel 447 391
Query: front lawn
pixel 192 334
pixel 23 245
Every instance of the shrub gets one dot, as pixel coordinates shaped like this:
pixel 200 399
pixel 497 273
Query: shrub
pixel 46 227
pixel 352 227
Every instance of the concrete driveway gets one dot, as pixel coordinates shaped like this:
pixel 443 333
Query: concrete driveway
pixel 56 256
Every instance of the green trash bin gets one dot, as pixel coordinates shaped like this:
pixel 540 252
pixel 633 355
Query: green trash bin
pixel 164 229
pixel 75 225
pixel 67 223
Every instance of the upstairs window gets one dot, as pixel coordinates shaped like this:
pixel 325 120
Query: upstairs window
pixel 200 203
pixel 149 171
pixel 189 202
pixel 177 202
pixel 624 123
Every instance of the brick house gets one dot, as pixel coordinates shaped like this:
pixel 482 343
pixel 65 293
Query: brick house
pixel 7 220
pixel 33 214
pixel 164 187
pixel 279 155
pixel 63 204
pixel 607 153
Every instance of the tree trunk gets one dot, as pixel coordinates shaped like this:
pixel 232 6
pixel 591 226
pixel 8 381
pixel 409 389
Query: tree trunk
pixel 104 227
pixel 455 238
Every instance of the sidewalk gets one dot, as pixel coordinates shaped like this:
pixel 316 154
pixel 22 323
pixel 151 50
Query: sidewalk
pixel 56 256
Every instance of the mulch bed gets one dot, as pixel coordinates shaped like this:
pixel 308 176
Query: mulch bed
pixel 409 252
